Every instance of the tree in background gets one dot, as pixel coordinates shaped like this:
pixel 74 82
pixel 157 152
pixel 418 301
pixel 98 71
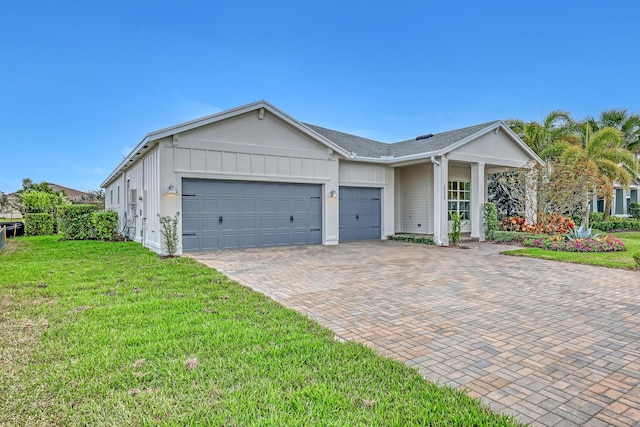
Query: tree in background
pixel 621 119
pixel 539 135
pixel 39 198
pixel 93 197
pixel 605 150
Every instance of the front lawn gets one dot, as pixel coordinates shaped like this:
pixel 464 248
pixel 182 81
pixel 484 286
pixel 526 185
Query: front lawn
pixel 95 333
pixel 605 259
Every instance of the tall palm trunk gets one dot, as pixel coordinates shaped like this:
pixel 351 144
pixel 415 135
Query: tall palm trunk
pixel 608 201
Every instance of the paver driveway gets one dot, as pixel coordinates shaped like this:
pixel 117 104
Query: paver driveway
pixel 551 343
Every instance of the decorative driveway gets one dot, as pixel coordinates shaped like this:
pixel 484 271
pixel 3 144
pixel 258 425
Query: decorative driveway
pixel 554 344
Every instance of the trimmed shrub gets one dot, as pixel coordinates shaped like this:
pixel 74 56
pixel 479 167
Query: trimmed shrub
pixel 595 217
pixel 38 224
pixel 490 213
pixel 74 221
pixel 634 210
pixel 636 257
pixel 105 225
pixel 513 236
pixel 413 239
pixel 619 224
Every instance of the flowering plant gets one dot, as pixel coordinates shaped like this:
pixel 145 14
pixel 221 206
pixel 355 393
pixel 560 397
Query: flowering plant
pixel 598 244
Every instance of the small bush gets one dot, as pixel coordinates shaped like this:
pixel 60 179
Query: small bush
pixel 169 229
pixel 636 257
pixel 38 224
pixel 618 224
pixel 413 239
pixel 105 225
pixel 547 223
pixel 634 210
pixel 74 221
pixel 595 217
pixel 490 220
pixel 513 236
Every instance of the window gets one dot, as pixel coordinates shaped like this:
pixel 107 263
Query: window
pixel 460 198
pixel 111 196
pixel 118 195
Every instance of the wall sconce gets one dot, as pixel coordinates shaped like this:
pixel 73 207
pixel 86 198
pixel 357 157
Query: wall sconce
pixel 171 189
pixel 333 194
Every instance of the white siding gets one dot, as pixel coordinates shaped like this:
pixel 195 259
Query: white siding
pixel 142 212
pixel 417 199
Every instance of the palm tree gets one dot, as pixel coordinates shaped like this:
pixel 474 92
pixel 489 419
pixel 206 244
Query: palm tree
pixel 553 128
pixel 628 124
pixel 603 149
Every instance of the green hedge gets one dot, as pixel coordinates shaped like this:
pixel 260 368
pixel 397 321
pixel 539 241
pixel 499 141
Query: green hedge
pixel 490 213
pixel 74 221
pixel 105 225
pixel 634 210
pixel 616 223
pixel 413 239
pixel 515 236
pixel 38 224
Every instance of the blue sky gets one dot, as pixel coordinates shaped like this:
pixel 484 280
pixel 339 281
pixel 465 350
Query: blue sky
pixel 83 82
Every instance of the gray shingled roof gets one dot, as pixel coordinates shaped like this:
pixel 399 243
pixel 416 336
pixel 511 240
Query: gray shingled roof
pixel 364 147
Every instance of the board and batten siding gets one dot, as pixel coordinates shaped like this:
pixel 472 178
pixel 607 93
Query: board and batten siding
pixel 249 148
pixel 143 177
pixel 416 204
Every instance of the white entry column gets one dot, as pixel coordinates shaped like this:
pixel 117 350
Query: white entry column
pixel 440 217
pixel 477 200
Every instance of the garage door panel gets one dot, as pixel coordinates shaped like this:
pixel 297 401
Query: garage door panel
pixel 190 243
pixel 266 222
pixel 209 242
pixel 208 224
pixel 248 206
pixel 248 240
pixel 253 214
pixel 190 225
pixel 248 222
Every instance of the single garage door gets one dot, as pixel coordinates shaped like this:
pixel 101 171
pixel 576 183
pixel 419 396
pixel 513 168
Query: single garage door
pixel 359 213
pixel 239 214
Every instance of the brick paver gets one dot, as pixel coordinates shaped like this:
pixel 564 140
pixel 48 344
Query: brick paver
pixel 550 343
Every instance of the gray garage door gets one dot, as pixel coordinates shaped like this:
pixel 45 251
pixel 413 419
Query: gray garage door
pixel 359 213
pixel 240 214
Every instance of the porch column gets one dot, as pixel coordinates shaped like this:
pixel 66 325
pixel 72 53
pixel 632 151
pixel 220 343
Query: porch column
pixel 477 199
pixel 440 214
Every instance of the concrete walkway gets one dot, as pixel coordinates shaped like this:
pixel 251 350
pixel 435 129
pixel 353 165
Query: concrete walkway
pixel 554 344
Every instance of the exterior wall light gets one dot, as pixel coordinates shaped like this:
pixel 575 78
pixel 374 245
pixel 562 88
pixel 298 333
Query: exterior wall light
pixel 333 194
pixel 171 189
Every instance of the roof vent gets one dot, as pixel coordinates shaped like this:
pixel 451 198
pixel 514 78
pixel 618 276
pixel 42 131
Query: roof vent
pixel 427 136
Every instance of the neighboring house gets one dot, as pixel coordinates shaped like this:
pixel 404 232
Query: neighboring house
pixel 73 195
pixel 254 176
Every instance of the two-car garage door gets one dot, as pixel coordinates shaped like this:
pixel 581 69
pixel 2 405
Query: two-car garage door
pixel 219 214
pixel 239 214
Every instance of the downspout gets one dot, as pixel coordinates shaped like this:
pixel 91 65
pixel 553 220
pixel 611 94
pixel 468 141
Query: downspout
pixel 436 212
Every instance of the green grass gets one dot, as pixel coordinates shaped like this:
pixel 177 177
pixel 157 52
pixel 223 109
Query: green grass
pixel 95 333
pixel 11 220
pixel 605 259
